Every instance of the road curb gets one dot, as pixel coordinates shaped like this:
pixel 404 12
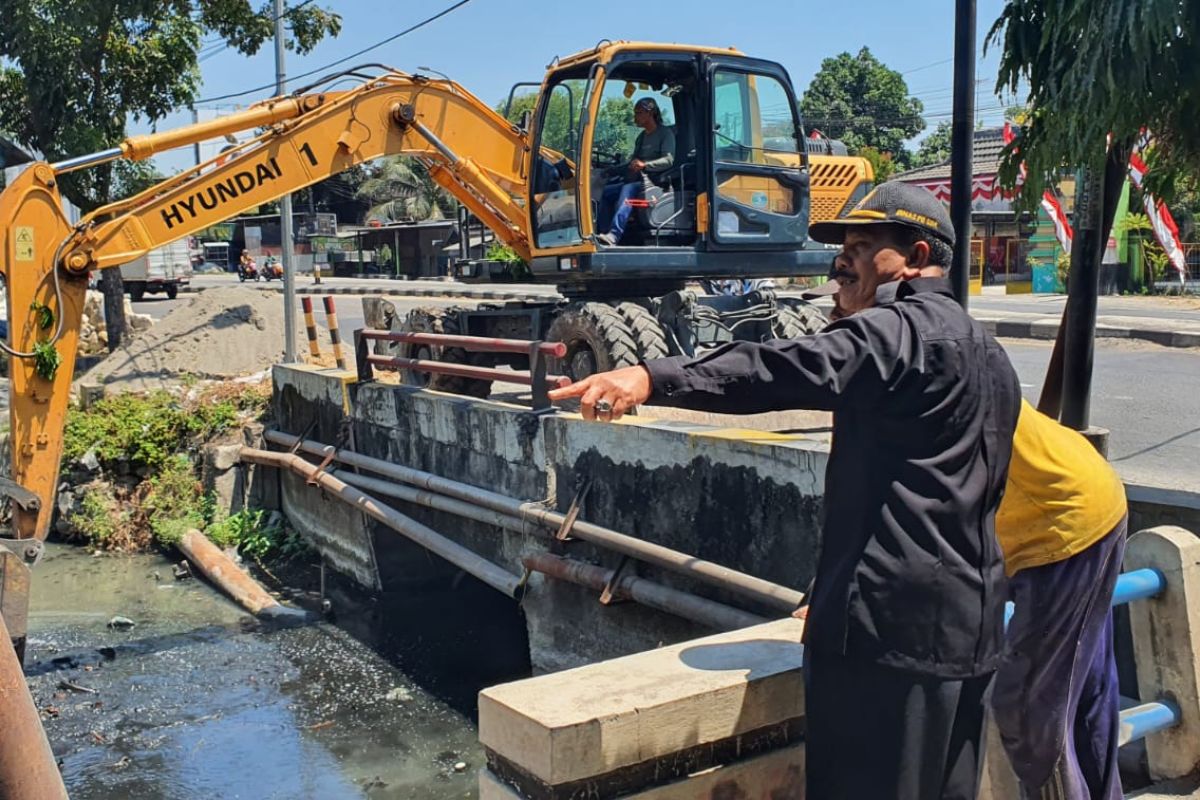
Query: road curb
pixel 1047 330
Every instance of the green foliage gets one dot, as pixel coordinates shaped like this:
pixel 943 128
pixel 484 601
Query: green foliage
pixel 861 101
pixel 400 188
pixel 42 314
pixel 46 360
pixel 175 502
pixel 1098 67
pixel 504 253
pixel 99 515
pixel 250 532
pixel 143 431
pixel 72 74
pixel 934 148
pixel 881 163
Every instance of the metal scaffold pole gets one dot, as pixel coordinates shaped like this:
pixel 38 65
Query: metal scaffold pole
pixel 285 214
pixel 962 135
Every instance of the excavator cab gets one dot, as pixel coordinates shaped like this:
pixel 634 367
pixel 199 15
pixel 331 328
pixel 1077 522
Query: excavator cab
pixel 739 182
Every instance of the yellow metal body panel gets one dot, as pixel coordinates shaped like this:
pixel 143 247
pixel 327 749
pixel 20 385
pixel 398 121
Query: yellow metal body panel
pixel 37 406
pixel 832 181
pixel 759 191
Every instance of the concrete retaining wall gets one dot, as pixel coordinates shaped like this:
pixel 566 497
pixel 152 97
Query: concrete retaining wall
pixel 745 499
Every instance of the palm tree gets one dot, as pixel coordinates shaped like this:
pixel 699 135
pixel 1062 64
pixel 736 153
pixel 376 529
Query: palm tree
pixel 400 188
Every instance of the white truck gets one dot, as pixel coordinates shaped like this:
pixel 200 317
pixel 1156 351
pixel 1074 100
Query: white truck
pixel 164 269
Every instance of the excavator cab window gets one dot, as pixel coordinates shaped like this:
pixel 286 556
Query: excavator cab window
pixel 663 205
pixel 555 217
pixel 759 195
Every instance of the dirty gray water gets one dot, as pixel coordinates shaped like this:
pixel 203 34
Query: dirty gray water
pixel 199 700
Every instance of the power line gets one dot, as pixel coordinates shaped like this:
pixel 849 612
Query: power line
pixel 218 45
pixel 388 40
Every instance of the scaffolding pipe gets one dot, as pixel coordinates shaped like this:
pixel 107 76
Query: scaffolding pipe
pixel 770 594
pixel 28 770
pixel 461 557
pixel 645 592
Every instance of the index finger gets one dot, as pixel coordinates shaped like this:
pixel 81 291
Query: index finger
pixel 576 389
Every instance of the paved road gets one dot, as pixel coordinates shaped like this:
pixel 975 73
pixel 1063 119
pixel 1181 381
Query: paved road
pixel 1147 395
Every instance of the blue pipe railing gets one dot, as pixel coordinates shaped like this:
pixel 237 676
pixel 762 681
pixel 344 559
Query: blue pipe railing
pixel 1140 584
pixel 1147 718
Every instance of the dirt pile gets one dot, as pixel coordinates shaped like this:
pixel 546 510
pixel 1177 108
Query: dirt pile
pixel 219 334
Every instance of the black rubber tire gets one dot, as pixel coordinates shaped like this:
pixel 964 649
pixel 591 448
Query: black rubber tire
pixel 797 319
pixel 172 292
pixel 440 320
pixel 136 295
pixel 241 277
pixel 597 340
pixel 647 331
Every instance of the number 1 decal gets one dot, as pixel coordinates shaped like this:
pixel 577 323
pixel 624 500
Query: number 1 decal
pixel 306 148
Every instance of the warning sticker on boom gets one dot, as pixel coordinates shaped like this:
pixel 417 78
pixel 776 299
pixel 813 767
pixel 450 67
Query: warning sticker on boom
pixel 24 234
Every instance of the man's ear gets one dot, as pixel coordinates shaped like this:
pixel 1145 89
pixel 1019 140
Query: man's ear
pixel 918 257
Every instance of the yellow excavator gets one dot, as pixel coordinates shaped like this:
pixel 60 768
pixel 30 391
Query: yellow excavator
pixel 736 203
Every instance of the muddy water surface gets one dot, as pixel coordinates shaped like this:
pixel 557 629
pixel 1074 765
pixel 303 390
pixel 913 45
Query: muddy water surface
pixel 198 700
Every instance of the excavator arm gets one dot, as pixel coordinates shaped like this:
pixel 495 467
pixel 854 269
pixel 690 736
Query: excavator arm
pixel 473 152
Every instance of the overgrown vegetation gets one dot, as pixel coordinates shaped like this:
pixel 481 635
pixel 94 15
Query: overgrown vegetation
pixel 141 452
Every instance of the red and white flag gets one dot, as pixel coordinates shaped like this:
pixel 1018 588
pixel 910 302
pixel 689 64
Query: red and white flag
pixel 1165 229
pixel 1053 208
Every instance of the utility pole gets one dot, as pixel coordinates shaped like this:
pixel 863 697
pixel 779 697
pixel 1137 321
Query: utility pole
pixel 962 143
pixel 285 214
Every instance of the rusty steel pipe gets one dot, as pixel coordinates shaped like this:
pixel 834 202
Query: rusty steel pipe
pixel 461 557
pixel 480 344
pixel 645 592
pixel 28 770
pixel 438 502
pixel 770 594
pixel 463 371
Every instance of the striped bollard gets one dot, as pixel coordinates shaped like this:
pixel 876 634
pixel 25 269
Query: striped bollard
pixel 334 337
pixel 310 325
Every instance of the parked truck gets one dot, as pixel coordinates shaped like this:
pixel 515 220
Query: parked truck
pixel 163 269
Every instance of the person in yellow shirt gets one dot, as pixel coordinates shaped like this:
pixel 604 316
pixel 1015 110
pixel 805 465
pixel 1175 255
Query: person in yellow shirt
pixel 1061 525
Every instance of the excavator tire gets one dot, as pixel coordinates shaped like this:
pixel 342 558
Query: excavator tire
pixel 797 318
pixel 439 320
pixel 597 339
pixel 647 332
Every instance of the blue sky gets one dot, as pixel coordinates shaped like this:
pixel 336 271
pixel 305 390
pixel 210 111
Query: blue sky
pixel 487 45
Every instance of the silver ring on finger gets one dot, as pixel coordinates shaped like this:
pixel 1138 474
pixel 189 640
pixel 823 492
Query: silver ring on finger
pixel 603 407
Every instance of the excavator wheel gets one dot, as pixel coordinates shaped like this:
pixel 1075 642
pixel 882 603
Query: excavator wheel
pixel 440 320
pixel 647 332
pixel 797 319
pixel 597 339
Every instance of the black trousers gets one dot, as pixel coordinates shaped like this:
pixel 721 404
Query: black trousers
pixel 878 733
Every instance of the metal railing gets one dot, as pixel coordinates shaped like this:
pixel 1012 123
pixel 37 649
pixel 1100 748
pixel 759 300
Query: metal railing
pixel 536 377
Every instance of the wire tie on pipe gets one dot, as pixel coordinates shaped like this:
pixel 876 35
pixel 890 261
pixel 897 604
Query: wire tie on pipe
pixel 608 595
pixel 564 530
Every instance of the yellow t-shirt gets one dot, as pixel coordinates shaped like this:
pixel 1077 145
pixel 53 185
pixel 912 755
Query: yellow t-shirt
pixel 1061 496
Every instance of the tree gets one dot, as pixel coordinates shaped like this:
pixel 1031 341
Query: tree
pixel 1132 66
pixel 72 74
pixel 934 148
pixel 400 188
pixel 615 132
pixel 862 102
pixel 882 164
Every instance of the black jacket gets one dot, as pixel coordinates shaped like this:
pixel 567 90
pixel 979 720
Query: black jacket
pixel 925 405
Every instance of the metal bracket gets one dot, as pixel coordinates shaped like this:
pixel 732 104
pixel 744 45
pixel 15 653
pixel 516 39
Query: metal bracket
pixel 28 550
pixel 24 498
pixel 564 530
pixel 325 462
pixel 539 395
pixel 609 595
pixel 14 594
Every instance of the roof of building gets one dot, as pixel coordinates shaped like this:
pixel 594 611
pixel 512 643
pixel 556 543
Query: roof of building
pixel 985 159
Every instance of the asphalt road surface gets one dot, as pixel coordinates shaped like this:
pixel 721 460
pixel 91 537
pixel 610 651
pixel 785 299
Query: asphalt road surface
pixel 1145 394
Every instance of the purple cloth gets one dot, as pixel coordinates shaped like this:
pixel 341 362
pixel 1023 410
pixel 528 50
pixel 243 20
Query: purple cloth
pixel 1056 699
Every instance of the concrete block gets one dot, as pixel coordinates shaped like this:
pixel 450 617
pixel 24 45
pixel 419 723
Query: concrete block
pixel 1166 639
pixel 592 721
pixel 771 776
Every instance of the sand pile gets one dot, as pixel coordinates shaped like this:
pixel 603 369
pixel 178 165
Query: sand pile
pixel 221 333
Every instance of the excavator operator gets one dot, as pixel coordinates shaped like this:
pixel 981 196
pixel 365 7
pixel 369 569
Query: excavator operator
pixel 653 155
